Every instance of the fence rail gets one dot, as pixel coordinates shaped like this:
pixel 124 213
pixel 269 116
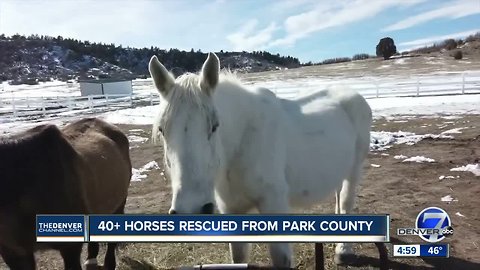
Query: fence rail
pixel 16 108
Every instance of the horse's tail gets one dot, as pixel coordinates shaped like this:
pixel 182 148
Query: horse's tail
pixel 359 113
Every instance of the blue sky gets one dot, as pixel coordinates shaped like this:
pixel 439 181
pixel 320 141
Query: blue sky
pixel 307 29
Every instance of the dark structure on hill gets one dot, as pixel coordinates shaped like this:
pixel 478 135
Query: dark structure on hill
pixel 386 48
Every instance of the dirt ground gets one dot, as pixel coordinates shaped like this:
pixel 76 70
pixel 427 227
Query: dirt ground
pixel 401 189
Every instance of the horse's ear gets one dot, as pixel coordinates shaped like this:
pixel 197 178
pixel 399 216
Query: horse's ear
pixel 210 73
pixel 162 79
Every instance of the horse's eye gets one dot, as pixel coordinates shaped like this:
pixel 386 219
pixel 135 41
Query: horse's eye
pixel 214 128
pixel 161 130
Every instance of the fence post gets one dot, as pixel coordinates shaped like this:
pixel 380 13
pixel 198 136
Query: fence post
pixel 13 107
pixel 107 102
pixel 378 90
pixel 131 99
pixel 418 87
pixel 463 83
pixel 43 107
pixel 90 105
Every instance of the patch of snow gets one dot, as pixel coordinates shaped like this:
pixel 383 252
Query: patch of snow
pixel 450 117
pixel 448 198
pixel 459 214
pixel 385 154
pixel 375 165
pixel 134 116
pixel 418 159
pixel 453 131
pixel 136 130
pixel 136 139
pixel 474 168
pixel 445 106
pixel 138 174
pixel 400 61
pixel 400 157
pixel 447 177
pixel 382 140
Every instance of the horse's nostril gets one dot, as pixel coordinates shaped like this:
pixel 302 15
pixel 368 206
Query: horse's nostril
pixel 208 208
pixel 172 212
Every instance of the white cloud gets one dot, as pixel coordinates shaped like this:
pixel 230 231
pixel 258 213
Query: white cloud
pixel 418 43
pixel 454 10
pixel 165 24
pixel 247 39
pixel 323 15
pixel 331 14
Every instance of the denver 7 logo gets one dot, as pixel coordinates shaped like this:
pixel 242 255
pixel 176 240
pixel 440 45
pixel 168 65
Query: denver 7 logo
pixel 437 220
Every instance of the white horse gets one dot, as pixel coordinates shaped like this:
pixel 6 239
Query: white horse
pixel 246 149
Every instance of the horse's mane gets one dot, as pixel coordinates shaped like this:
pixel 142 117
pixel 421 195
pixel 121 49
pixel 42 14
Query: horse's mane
pixel 190 82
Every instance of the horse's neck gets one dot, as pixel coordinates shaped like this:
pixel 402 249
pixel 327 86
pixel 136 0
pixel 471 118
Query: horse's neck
pixel 234 105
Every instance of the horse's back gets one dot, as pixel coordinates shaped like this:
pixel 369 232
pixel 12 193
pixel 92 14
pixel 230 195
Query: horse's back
pixel 106 164
pixel 325 127
pixel 359 112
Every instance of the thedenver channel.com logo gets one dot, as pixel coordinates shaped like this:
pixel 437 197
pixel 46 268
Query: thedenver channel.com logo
pixel 433 224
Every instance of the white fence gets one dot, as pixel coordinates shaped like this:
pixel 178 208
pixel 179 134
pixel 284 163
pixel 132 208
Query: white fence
pixel 451 84
pixel 25 108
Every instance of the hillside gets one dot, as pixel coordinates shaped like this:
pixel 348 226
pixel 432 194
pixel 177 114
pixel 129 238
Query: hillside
pixel 33 59
pixel 411 64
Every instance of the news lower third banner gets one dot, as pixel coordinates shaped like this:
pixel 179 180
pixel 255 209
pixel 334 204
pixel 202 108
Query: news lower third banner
pixel 213 228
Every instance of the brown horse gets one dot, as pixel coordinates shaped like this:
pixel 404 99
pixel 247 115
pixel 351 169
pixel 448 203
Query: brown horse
pixel 83 168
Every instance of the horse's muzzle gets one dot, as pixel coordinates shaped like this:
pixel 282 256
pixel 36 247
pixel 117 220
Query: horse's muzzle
pixel 208 208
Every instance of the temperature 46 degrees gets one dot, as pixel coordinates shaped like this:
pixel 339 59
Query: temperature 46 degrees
pixel 435 250
pixel 439 250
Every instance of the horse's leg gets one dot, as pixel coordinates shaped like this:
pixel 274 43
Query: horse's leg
pixel 92 263
pixel 18 262
pixel 277 203
pixel 110 260
pixel 337 201
pixel 239 252
pixel 71 256
pixel 344 251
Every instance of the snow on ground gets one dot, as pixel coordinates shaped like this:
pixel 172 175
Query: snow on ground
pixel 389 107
pixel 418 159
pixel 433 106
pixel 138 174
pixel 474 168
pixel 441 177
pixel 42 89
pixel 381 107
pixel 134 116
pixel 382 140
pixel 136 139
pixel 453 131
pixel 400 157
pixel 448 198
